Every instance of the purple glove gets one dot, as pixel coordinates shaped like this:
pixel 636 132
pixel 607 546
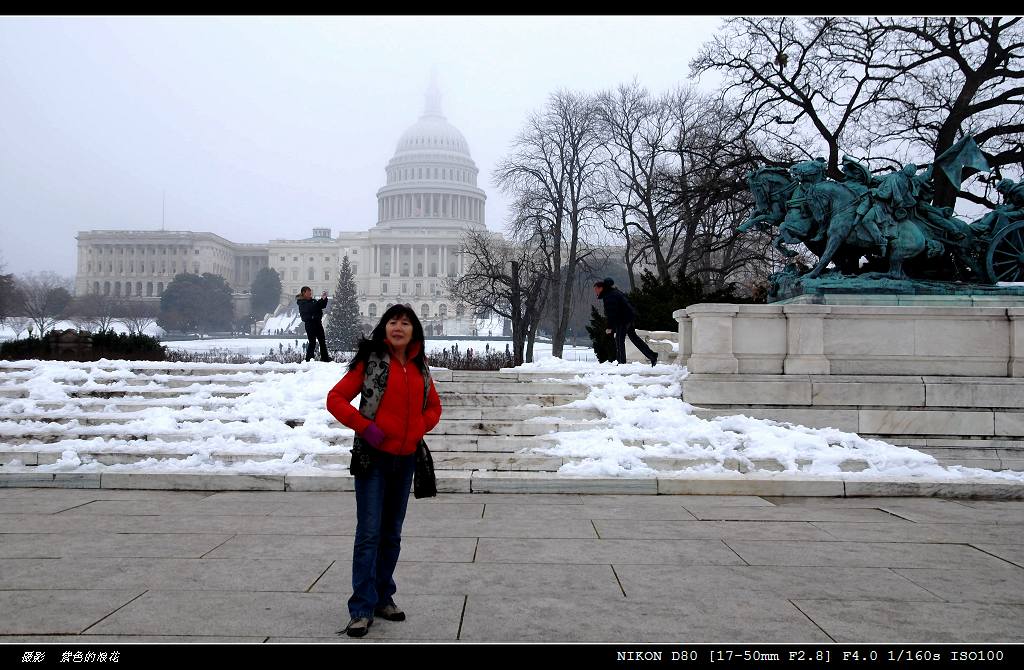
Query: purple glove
pixel 373 435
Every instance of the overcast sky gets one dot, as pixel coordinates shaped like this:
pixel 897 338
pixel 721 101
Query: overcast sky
pixel 264 128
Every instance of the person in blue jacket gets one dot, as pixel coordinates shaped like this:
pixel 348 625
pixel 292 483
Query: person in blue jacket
pixel 621 315
pixel 312 313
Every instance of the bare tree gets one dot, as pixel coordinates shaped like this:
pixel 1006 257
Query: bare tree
pixel 96 312
pixel 797 79
pixel 137 315
pixel 508 277
pixel 707 192
pixel 45 296
pixel 553 176
pixel 959 75
pixel 635 130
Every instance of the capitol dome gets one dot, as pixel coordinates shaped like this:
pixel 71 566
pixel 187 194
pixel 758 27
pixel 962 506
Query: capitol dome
pixel 431 179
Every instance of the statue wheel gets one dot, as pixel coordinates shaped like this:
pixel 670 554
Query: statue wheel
pixel 1004 260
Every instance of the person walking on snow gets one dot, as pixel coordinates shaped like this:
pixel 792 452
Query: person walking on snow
pixel 621 315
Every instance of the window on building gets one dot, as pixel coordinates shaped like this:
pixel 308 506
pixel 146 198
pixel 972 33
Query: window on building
pixel 425 311
pixel 384 288
pixel 327 275
pixel 355 269
pixel 405 287
pixel 197 253
pixel 433 269
pixel 128 288
pixel 311 275
pixel 295 258
pixel 419 269
pixel 282 258
pixel 459 310
pixel 159 288
pixel 442 311
pixel 295 274
pixel 372 309
pixel 106 288
pixel 419 288
pixel 96 287
pixel 149 289
pixel 195 268
pixel 117 288
pixel 138 288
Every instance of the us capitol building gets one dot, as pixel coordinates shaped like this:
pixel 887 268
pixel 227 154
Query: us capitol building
pixel 429 200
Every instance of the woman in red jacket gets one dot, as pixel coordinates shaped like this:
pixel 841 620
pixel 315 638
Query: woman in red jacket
pixel 399 405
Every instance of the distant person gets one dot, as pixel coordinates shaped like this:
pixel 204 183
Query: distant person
pixel 312 313
pixel 399 405
pixel 621 315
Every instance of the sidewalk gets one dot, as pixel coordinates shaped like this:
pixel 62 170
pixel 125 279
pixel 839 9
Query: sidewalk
pixel 133 566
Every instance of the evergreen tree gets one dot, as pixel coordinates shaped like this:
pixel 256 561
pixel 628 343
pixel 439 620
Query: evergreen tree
pixel 602 342
pixel 266 292
pixel 196 303
pixel 343 323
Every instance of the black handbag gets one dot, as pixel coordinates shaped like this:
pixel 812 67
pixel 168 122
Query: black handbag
pixel 424 483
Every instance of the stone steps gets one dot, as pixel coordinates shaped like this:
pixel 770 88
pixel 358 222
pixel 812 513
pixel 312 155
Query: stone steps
pixel 465 481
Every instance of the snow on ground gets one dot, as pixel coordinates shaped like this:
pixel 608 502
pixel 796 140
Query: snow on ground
pixel 647 412
pixel 655 414
pixel 257 347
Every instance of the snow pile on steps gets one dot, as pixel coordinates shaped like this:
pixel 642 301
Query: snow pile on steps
pixel 645 420
pixel 647 411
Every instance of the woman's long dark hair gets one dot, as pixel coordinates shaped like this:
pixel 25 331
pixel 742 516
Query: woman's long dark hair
pixel 377 342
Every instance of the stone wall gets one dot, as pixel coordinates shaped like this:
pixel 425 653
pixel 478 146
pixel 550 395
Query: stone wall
pixel 948 380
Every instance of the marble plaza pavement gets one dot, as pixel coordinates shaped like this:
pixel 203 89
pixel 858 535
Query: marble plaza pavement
pixel 100 565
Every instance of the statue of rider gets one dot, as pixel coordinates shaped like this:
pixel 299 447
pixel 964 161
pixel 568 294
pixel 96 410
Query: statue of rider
pixel 857 177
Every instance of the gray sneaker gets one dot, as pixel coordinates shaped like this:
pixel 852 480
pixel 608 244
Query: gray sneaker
pixel 357 627
pixel 390 612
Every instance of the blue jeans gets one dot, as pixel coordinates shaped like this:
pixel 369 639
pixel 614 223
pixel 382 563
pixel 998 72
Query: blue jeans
pixel 382 496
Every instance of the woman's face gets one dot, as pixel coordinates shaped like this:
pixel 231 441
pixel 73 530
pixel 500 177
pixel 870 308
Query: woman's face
pixel 399 331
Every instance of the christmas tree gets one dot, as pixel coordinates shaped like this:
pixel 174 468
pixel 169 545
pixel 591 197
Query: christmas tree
pixel 343 323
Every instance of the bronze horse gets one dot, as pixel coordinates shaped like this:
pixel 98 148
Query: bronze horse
pixel 824 217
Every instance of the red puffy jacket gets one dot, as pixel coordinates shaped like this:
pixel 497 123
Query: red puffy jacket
pixel 400 416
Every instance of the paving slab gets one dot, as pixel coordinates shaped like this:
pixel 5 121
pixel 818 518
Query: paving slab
pixel 169 574
pixel 587 510
pixel 792 513
pixel 1013 553
pixel 670 552
pixel 952 513
pixel 111 545
pixel 708 530
pixel 862 554
pixel 535 528
pixel 577 617
pixel 315 615
pixel 37 505
pixel 507 579
pixel 879 621
pixel 903 531
pixel 30 612
pixel 1004 585
pixel 180 523
pixel 339 547
pixel 708 582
